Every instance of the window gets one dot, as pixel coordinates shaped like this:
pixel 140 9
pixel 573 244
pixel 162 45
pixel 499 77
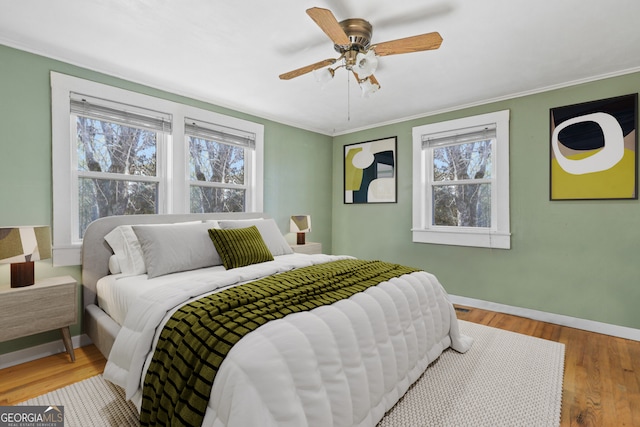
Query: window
pixel 117 152
pixel 218 166
pixel 461 182
pixel 118 160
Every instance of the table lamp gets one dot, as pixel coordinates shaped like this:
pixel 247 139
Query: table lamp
pixel 300 224
pixel 20 247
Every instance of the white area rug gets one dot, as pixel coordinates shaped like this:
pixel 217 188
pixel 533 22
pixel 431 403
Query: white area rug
pixel 505 379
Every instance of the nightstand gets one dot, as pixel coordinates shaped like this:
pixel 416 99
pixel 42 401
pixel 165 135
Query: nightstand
pixel 307 248
pixel 48 304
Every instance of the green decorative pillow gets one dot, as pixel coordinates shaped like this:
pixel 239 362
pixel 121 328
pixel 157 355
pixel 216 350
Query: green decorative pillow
pixel 240 246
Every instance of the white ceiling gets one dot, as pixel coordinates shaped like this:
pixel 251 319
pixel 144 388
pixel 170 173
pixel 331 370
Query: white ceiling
pixel 230 53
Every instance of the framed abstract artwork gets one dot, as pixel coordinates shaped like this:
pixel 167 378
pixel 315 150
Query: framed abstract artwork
pixel 593 153
pixel 370 171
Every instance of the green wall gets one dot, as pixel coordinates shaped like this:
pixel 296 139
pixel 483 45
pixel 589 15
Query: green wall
pixel 576 258
pixel 297 163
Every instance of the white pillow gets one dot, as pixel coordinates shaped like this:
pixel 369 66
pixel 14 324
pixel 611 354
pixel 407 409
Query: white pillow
pixel 169 248
pixel 126 248
pixel 269 231
pixel 213 223
pixel 114 265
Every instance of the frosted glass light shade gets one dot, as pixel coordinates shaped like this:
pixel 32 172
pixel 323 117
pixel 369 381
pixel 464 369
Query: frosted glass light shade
pixel 366 63
pixel 323 75
pixel 368 88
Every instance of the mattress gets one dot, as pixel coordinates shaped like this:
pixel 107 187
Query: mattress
pixel 118 292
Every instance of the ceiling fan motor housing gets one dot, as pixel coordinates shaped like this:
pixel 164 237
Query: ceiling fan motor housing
pixel 359 32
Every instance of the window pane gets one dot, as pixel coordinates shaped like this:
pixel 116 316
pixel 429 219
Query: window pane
pixel 463 205
pixel 209 199
pixel 213 161
pixel 98 198
pixel 110 147
pixel 462 161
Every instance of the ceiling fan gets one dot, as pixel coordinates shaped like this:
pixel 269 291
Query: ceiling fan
pixel 352 40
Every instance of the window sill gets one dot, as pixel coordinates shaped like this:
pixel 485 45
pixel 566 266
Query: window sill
pixel 67 255
pixel 474 238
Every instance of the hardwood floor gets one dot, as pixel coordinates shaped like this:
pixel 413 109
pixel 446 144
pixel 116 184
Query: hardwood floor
pixel 601 384
pixel 22 382
pixel 601 377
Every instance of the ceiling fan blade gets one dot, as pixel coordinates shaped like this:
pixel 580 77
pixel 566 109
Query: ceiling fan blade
pixel 307 69
pixel 418 43
pixel 329 24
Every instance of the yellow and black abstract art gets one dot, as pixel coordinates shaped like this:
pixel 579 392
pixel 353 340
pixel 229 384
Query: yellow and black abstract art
pixel 593 150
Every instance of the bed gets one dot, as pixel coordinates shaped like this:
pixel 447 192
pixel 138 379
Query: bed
pixel 341 358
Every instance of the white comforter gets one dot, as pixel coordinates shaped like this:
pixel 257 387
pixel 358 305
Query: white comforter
pixel 339 365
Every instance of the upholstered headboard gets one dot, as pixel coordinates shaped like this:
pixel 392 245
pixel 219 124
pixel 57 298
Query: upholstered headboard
pixel 96 252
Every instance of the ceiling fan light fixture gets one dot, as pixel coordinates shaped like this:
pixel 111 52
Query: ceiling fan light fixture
pixel 324 75
pixel 366 63
pixel 368 87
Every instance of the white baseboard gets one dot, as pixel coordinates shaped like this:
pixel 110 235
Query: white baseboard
pixel 558 319
pixel 40 351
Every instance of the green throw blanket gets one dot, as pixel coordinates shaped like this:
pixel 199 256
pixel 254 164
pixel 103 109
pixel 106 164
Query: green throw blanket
pixel 198 336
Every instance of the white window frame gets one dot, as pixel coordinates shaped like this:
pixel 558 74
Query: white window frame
pixel 423 230
pixel 249 159
pixel 161 156
pixel 66 248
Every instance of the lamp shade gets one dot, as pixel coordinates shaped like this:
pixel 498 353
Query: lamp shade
pixel 368 87
pixel 366 63
pixel 24 244
pixel 323 75
pixel 300 224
